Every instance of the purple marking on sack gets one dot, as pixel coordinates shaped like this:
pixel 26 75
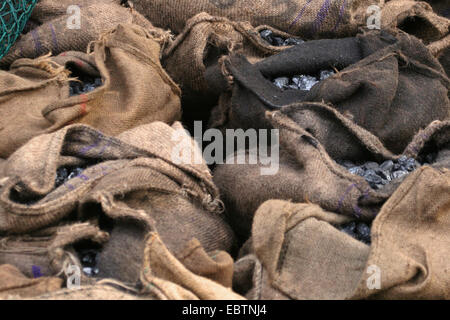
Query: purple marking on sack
pixel 37 42
pixel 299 16
pixel 321 16
pixel 84 150
pixel 55 41
pixel 36 271
pixel 357 210
pixel 341 200
pixel 69 186
pixel 83 177
pixel 341 14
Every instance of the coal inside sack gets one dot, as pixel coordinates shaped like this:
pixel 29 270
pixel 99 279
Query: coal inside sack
pixel 302 82
pixel 379 175
pixel 278 41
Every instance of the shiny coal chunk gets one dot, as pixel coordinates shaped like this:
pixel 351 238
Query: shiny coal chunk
pixel 267 35
pixel 403 160
pixel 357 170
pixel 281 82
pixel 324 74
pixel 373 179
pixel 399 174
pixel 387 165
pixel 61 176
pixel 411 164
pixel 306 82
pixel 384 174
pixel 277 41
pixel 84 85
pixel 296 80
pixel 292 42
pixel 88 271
pixel 348 164
pixel 75 172
pixel 371 166
pixel 363 232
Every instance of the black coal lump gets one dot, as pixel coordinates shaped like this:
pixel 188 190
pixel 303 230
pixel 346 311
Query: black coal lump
pixel 357 230
pixel 84 85
pixel 64 174
pixel 89 261
pixel 278 41
pixel 302 81
pixel 379 175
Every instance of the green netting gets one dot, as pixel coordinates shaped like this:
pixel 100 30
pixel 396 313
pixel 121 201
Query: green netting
pixel 14 14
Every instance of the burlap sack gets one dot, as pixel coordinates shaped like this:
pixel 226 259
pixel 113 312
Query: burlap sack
pixel 136 90
pixel 388 83
pixel 311 19
pixel 47 10
pixel 304 256
pixel 133 180
pixel 161 270
pixel 14 285
pixel 416 18
pixel 56 32
pixel 307 165
pixel 50 251
pixel 204 40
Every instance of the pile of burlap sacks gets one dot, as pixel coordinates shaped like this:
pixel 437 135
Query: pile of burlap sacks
pixel 168 229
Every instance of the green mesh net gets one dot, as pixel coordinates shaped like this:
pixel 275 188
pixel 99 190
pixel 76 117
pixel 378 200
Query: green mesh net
pixel 14 14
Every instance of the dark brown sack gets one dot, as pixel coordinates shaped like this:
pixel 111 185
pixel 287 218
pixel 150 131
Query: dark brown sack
pixel 303 255
pixel 388 83
pixel 50 251
pixel 200 46
pixel 131 180
pixel 51 32
pixel 14 285
pixel 136 90
pixel 308 170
